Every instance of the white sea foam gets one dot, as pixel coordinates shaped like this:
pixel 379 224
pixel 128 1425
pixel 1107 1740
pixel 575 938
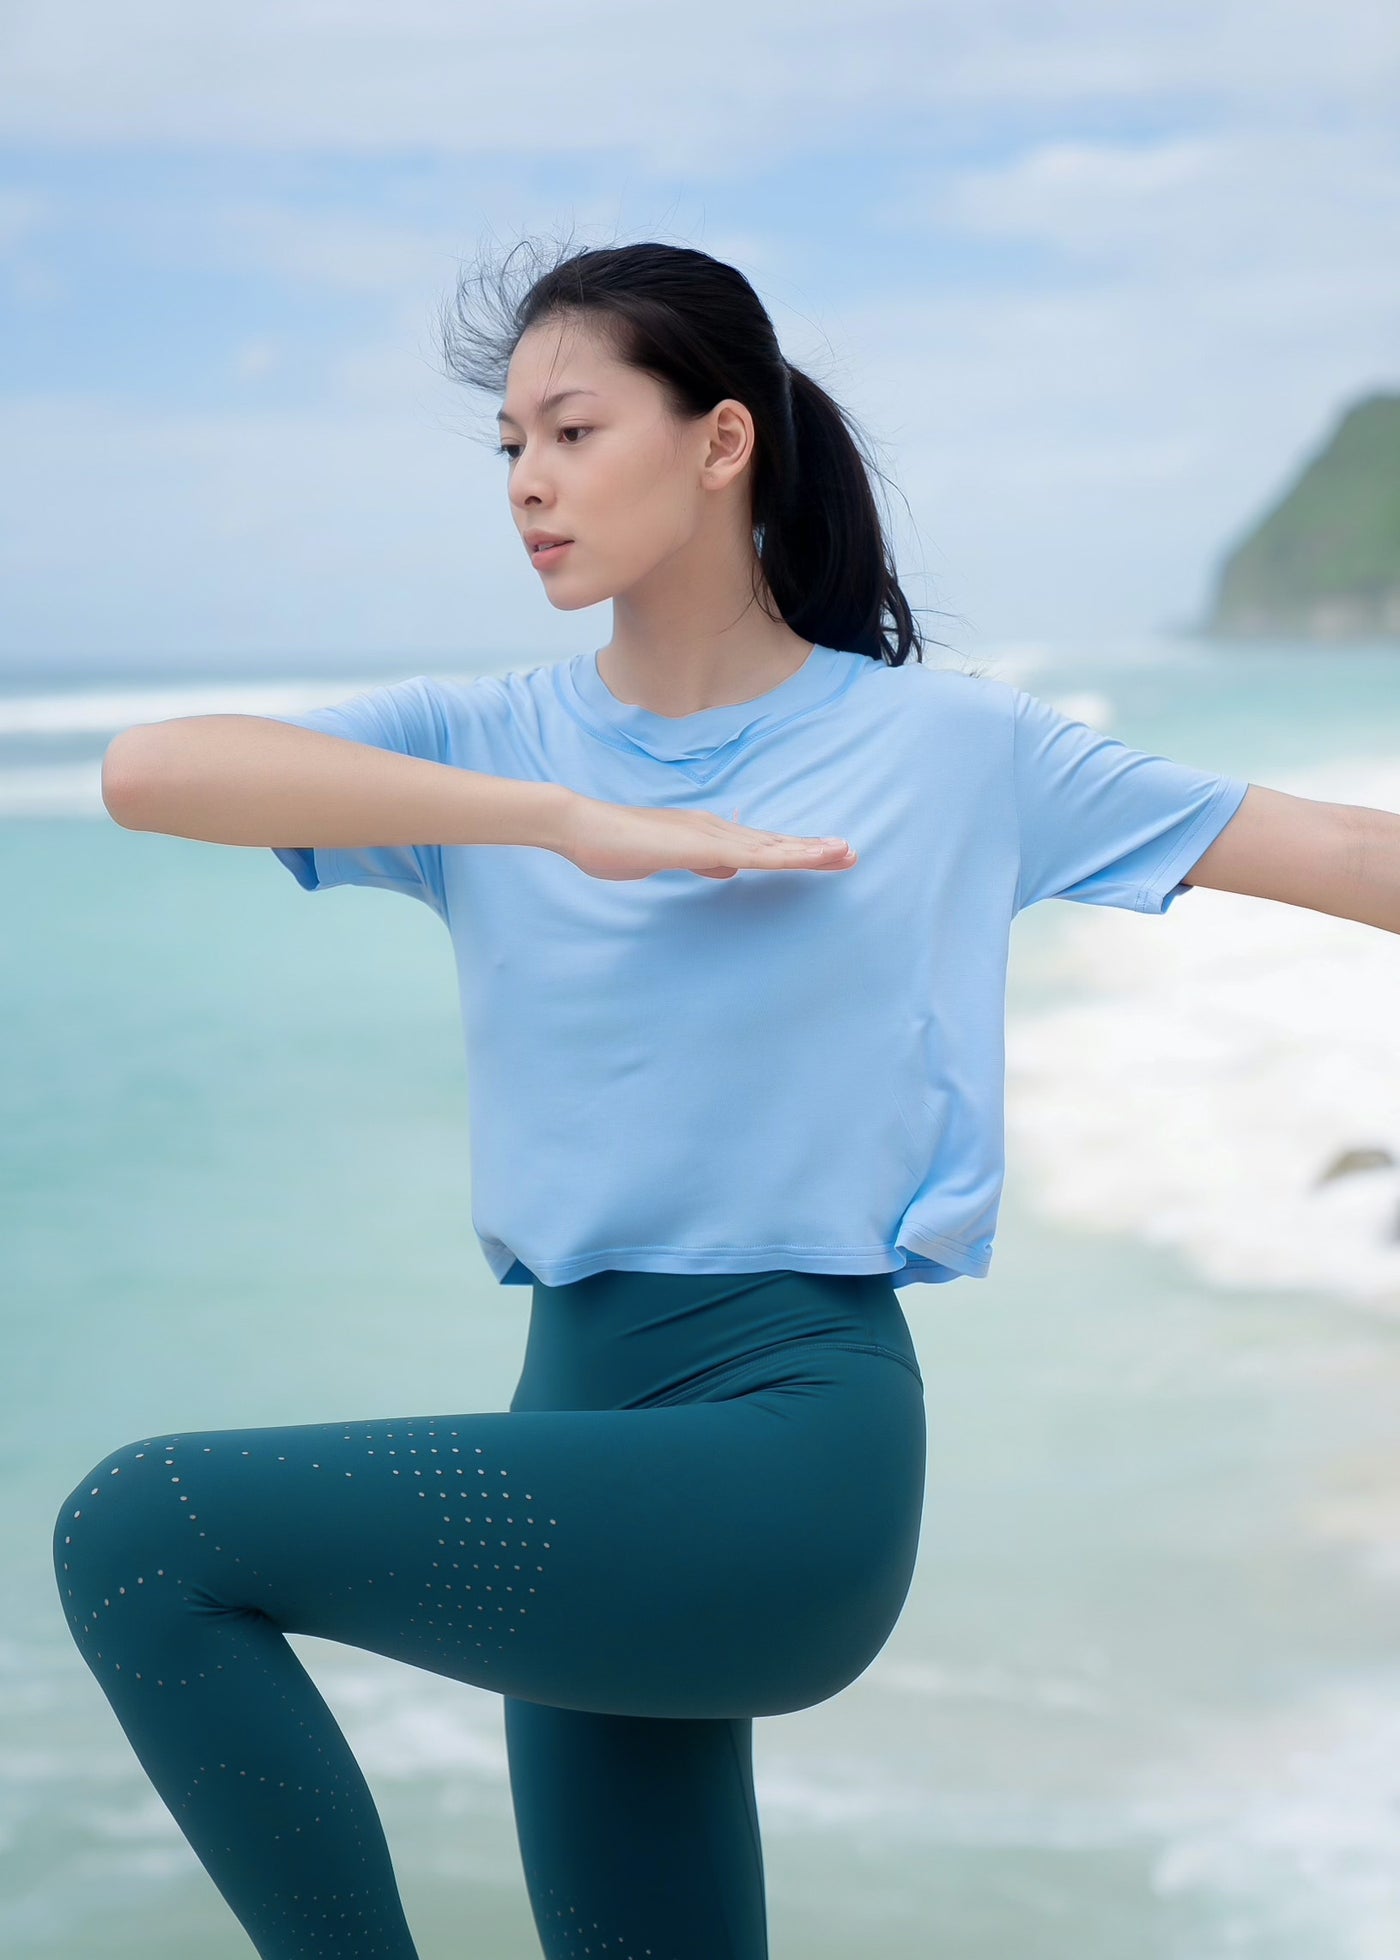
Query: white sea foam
pixel 1282 1824
pixel 1210 1065
pixel 104 710
pixel 409 1727
pixel 1290 1817
pixel 841 1793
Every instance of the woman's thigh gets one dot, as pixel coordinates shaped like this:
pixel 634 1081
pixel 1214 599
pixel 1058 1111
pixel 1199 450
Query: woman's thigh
pixel 709 1559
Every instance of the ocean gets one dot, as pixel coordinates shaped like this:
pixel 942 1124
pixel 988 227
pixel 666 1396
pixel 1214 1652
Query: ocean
pixel 1143 1702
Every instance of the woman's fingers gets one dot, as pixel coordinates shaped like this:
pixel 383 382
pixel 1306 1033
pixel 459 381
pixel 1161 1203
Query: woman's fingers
pixel 821 853
pixel 624 841
pixel 776 853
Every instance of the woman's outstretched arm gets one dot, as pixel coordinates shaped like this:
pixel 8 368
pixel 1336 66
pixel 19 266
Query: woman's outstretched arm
pixel 1342 858
pixel 247 779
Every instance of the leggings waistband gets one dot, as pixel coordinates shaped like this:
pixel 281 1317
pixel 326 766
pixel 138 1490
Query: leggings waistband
pixel 621 1339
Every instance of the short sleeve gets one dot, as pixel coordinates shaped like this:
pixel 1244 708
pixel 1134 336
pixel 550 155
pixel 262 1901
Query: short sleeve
pixel 1103 823
pixel 405 717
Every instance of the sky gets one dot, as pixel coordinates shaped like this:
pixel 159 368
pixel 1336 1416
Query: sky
pixel 1094 279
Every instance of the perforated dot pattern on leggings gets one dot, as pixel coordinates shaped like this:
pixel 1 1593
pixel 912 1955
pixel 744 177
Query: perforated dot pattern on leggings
pixel 161 1606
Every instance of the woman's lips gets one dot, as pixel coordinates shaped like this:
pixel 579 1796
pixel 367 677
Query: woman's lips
pixel 550 554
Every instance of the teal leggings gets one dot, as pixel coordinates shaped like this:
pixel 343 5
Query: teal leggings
pixel 702 1505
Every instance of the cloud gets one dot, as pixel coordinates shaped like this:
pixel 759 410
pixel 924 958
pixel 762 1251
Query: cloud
pixel 1173 321
pixel 1092 277
pixel 706 90
pixel 1310 198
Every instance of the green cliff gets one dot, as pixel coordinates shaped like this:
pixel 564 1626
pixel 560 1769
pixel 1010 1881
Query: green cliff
pixel 1324 562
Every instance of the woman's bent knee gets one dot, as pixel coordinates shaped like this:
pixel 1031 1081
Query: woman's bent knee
pixel 118 1510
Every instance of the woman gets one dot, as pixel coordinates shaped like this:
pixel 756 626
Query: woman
pixel 718 1119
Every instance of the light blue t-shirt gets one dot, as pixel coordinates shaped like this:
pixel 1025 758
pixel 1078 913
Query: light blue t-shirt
pixel 784 1069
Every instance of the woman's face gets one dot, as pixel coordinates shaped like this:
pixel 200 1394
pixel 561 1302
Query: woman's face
pixel 611 468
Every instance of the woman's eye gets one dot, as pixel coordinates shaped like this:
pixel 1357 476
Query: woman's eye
pixel 574 429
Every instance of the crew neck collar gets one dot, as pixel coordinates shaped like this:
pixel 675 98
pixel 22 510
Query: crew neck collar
pixel 689 738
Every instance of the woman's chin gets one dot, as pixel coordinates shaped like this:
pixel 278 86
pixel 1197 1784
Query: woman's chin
pixel 574 601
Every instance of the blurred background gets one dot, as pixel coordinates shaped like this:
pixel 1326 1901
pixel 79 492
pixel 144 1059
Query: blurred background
pixel 1115 292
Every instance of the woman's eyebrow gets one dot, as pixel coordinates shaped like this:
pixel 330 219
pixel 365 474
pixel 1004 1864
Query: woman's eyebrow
pixel 548 402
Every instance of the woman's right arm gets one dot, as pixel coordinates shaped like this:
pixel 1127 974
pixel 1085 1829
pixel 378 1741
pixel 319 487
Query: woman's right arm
pixel 247 779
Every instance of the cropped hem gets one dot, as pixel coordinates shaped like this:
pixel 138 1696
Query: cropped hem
pixel 927 1257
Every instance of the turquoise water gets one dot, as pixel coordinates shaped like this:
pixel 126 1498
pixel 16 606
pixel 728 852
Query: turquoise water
pixel 1144 1698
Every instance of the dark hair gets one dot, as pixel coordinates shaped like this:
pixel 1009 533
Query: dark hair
pixel 700 329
